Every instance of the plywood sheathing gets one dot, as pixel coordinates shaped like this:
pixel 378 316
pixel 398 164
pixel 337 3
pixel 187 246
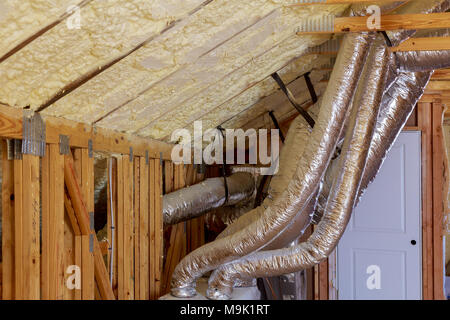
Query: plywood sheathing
pixel 207 59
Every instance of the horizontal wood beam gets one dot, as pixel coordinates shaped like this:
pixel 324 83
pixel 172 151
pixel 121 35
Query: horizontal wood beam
pixel 439 85
pixel 441 74
pixel 104 140
pixel 298 3
pixel 424 44
pixel 388 23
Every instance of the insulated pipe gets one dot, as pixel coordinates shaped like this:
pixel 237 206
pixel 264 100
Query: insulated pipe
pixel 312 165
pixel 419 61
pixel 398 104
pixel 342 198
pixel 396 107
pixel 294 145
pixel 192 202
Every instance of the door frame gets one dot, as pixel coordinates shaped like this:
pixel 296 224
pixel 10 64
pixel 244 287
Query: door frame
pixel 427 118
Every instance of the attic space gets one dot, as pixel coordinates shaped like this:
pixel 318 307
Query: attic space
pixel 193 150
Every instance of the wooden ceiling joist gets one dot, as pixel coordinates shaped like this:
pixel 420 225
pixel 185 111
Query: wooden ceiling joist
pixel 387 23
pixel 316 2
pixel 424 44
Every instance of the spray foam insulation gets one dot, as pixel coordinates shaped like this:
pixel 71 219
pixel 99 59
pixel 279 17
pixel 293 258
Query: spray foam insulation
pixel 108 29
pixel 214 62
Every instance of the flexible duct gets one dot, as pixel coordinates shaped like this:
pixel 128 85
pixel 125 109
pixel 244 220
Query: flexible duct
pixel 193 201
pixel 419 61
pixel 294 145
pixel 342 198
pixel 312 165
pixel 416 6
pixel 396 107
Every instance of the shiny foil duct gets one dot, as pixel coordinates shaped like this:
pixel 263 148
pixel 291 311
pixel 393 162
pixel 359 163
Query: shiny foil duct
pixel 419 61
pixel 294 145
pixel 194 201
pixel 342 196
pixel 312 165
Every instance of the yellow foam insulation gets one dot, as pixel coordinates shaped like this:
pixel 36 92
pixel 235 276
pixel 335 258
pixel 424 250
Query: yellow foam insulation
pixel 108 29
pixel 247 59
pixel 211 45
pixel 234 86
pixel 19 20
pixel 212 26
pixel 251 98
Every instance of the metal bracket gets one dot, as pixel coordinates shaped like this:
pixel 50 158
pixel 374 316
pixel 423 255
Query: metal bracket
pixel 64 146
pixel 90 149
pixel 131 154
pixel 33 127
pixel 14 147
pixel 91 243
pixel 91 220
pixel 147 158
pixel 319 24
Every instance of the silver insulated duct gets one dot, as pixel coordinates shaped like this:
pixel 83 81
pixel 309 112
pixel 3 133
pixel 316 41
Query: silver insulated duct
pixel 194 201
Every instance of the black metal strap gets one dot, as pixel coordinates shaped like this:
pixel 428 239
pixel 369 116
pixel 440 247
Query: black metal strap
pixel 310 86
pixel 224 171
pixel 386 38
pixel 288 94
pixel 277 125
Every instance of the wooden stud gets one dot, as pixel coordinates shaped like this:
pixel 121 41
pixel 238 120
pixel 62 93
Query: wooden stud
pixel 31 228
pixel 53 224
pixel 101 274
pixel 425 124
pixel 156 229
pixel 8 246
pixel 144 236
pixel 110 231
pixel 137 203
pixel 438 200
pixel 18 233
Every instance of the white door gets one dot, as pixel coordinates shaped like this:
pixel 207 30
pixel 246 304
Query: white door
pixel 379 256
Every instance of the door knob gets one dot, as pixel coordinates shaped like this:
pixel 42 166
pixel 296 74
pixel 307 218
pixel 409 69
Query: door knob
pixel 413 242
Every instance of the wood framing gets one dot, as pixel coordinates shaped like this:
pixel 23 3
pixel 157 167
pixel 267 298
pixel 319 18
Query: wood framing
pixel 156 229
pixel 389 23
pixel 52 226
pixel 79 135
pixel 8 226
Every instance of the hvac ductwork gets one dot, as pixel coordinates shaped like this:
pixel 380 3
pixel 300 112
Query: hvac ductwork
pixel 194 201
pixel 420 61
pixel 214 254
pixel 342 197
pixel 316 156
pixel 396 107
